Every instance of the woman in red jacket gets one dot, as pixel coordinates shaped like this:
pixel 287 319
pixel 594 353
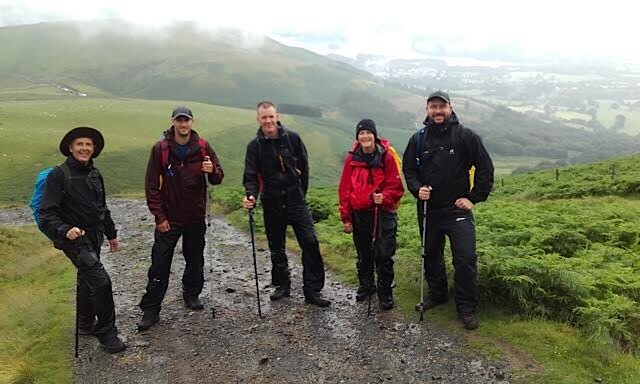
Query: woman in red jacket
pixel 370 191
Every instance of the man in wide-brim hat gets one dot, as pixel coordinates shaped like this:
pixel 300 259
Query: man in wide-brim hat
pixel 73 212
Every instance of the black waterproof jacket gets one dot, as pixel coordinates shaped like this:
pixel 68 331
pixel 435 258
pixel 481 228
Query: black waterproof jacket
pixel 276 167
pixel 80 204
pixel 446 154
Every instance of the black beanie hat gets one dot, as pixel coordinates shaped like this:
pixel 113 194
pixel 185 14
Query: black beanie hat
pixel 367 124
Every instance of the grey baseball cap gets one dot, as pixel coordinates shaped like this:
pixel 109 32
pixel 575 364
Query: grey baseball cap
pixel 440 95
pixel 181 111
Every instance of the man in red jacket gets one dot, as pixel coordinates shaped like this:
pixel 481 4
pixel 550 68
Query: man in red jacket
pixel 176 189
pixel 369 192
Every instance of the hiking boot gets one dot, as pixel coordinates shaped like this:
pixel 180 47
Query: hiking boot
pixel 193 302
pixel 387 303
pixel 280 292
pixel 149 318
pixel 363 293
pixel 428 304
pixel 316 299
pixel 112 343
pixel 469 320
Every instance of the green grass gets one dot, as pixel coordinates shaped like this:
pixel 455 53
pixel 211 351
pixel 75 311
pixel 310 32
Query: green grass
pixel 30 132
pixel 36 309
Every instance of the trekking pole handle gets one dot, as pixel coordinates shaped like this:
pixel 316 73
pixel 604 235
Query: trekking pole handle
pixel 249 197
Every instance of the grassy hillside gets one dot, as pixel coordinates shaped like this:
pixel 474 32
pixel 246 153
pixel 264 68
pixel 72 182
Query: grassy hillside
pixel 30 132
pixel 179 63
pixel 36 309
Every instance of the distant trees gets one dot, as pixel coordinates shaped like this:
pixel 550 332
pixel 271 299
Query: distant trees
pixel 301 110
pixel 619 123
pixel 509 133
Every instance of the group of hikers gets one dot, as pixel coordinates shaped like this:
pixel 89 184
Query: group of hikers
pixel 436 165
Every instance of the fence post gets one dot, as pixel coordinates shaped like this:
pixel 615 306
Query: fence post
pixel 613 171
pixel 557 174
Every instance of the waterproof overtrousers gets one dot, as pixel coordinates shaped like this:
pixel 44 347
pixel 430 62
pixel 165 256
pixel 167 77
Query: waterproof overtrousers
pixel 95 296
pixel 278 213
pixel 385 249
pixel 162 256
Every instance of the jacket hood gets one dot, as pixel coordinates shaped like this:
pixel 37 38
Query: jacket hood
pixel 281 132
pixel 451 120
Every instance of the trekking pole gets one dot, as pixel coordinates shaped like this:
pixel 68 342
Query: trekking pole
pixel 209 252
pixel 374 238
pixel 255 263
pixel 77 293
pixel 77 297
pixel 420 307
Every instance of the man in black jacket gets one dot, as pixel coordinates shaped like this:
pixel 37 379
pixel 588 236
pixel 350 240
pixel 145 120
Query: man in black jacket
pixel 276 166
pixel 73 212
pixel 436 166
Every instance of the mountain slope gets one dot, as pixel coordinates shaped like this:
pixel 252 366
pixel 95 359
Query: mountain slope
pixel 181 63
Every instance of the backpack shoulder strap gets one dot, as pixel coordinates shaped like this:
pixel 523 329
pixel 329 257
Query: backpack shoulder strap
pixel 202 143
pixel 419 144
pixel 286 133
pixel 67 176
pixel 164 153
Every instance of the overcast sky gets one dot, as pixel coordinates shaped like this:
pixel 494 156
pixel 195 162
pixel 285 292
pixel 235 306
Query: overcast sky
pixel 607 29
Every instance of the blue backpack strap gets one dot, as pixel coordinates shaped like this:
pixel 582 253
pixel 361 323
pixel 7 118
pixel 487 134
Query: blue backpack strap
pixel 419 146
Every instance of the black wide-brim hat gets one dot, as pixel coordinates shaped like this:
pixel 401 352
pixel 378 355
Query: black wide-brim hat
pixel 88 132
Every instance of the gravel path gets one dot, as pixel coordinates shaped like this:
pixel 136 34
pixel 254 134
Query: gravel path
pixel 291 343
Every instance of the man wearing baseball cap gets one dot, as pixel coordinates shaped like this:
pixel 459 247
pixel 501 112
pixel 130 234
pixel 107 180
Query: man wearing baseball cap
pixel 436 165
pixel 179 169
pixel 73 213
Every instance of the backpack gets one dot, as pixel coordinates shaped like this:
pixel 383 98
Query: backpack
pixel 392 151
pixel 38 190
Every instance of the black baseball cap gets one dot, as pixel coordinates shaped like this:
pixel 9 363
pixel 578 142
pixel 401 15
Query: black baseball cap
pixel 440 95
pixel 181 111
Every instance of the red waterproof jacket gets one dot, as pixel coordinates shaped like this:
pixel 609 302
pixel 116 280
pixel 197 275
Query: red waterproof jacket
pixel 176 191
pixel 361 178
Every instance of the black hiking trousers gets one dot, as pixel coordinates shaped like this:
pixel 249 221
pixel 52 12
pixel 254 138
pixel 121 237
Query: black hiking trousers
pixel 382 255
pixel 95 295
pixel 278 213
pixel 162 256
pixel 459 226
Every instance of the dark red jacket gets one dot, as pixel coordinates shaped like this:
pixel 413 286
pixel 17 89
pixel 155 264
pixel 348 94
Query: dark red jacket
pixel 360 180
pixel 177 191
